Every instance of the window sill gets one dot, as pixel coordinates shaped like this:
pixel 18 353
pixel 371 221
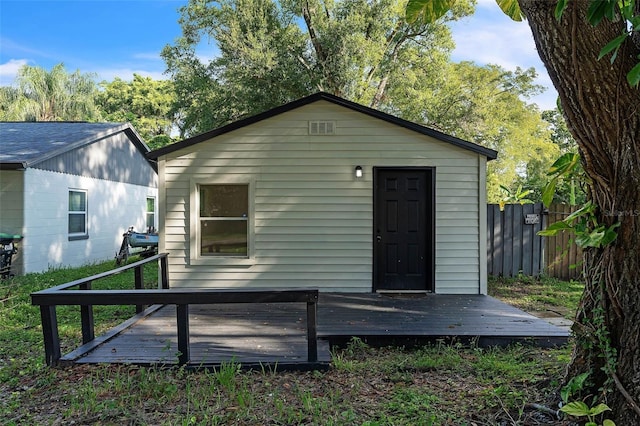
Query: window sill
pixel 78 237
pixel 222 261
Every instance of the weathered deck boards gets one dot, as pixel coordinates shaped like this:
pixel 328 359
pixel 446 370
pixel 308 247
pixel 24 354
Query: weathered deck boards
pixel 274 334
pixel 271 335
pixel 390 318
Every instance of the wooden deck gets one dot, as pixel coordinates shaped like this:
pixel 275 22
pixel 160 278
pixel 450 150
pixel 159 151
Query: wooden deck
pixel 273 335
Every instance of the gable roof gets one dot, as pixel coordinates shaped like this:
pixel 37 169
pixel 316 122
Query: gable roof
pixel 25 144
pixel 489 153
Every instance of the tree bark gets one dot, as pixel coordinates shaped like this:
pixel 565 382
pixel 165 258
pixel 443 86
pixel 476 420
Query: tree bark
pixel 603 114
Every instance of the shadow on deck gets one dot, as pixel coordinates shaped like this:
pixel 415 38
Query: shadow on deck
pixel 272 335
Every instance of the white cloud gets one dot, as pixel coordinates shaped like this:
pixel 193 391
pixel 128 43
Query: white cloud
pixel 9 70
pixel 490 37
pixel 492 44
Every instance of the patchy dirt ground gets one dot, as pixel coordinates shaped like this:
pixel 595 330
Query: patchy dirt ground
pixel 439 386
pixel 436 385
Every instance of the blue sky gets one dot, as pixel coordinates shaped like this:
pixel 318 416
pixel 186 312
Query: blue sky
pixel 116 38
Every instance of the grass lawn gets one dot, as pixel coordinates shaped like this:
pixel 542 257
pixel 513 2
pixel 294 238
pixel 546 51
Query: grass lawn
pixel 433 385
pixel 538 295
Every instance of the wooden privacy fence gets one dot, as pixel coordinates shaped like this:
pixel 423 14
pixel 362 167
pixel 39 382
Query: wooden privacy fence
pixel 562 257
pixel 514 246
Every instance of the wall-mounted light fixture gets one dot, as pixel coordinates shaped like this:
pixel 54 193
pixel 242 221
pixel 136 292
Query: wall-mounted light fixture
pixel 358 171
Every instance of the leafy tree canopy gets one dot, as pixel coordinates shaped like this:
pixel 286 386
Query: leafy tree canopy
pixel 56 95
pixel 484 105
pixel 143 102
pixel 571 189
pixel 273 52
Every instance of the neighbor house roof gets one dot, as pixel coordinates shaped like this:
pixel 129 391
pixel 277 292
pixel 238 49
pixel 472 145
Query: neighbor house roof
pixel 25 144
pixel 489 153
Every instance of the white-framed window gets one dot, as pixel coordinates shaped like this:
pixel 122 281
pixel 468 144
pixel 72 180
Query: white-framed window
pixel 78 214
pixel 151 213
pixel 223 220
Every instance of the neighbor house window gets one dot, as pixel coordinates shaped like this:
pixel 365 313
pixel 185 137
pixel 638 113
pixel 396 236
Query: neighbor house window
pixel 77 214
pixel 224 220
pixel 151 214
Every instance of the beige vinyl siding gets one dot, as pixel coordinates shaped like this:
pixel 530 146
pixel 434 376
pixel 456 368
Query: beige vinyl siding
pixel 312 219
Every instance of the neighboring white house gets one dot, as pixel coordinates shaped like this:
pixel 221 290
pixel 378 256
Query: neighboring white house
pixel 72 189
pixel 326 193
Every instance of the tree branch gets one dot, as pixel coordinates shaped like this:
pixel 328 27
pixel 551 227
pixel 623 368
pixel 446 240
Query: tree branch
pixel 624 393
pixel 306 14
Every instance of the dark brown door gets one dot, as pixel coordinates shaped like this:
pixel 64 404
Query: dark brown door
pixel 403 229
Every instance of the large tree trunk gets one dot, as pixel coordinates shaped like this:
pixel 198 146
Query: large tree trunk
pixel 603 113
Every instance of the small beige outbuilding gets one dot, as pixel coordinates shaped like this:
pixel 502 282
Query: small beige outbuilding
pixel 323 192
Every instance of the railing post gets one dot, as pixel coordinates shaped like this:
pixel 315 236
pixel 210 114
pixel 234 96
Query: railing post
pixel 138 273
pixel 164 272
pixel 182 313
pixel 86 317
pixel 312 331
pixel 50 332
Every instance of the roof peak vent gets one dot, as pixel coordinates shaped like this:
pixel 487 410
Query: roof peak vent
pixel 321 128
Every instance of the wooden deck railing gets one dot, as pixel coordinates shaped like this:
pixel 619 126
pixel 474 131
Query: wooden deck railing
pixel 64 295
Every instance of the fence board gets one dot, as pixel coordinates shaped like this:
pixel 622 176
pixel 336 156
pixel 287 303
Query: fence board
pixel 496 243
pixel 563 259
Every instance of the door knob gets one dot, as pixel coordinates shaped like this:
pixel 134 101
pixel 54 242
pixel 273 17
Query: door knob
pixel 379 239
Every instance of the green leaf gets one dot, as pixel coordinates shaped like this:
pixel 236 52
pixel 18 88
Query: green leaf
pixel 511 8
pixel 599 9
pixel 575 384
pixel 576 408
pixel 599 409
pixel 634 76
pixel 613 45
pixel 554 228
pixel 427 11
pixel 599 237
pixel 560 7
pixel 610 234
pixel 549 191
pixel 587 208
pixel 523 194
pixel 608 422
pixel 565 164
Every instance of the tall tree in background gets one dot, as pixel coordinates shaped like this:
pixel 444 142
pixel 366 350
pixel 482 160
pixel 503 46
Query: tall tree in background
pixel 143 102
pixel 273 52
pixel 55 95
pixel 601 104
pixel 571 189
pixel 484 105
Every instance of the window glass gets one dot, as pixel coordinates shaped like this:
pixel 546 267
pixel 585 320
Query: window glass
pixel 223 237
pixel 77 212
pixel 77 201
pixel 77 224
pixel 151 213
pixel 224 201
